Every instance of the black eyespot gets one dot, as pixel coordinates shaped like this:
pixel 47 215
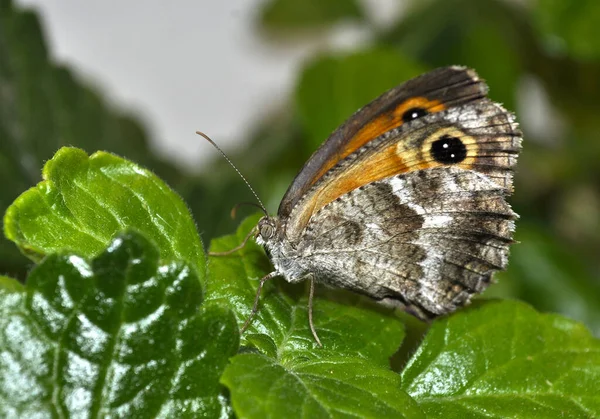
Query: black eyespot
pixel 413 113
pixel 448 150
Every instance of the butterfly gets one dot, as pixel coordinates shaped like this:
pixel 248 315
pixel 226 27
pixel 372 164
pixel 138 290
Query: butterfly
pixel 406 201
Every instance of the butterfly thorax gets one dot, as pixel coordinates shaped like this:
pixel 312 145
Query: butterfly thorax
pixel 271 235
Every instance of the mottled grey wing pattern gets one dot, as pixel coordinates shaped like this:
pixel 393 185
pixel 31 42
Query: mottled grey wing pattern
pixel 425 240
pixel 417 216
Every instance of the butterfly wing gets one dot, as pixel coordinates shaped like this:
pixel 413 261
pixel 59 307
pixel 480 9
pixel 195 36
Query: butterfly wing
pixel 432 92
pixel 424 240
pixel 406 201
pixel 479 135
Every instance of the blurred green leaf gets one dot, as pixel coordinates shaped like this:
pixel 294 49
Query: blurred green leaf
pixel 495 60
pixel 570 27
pixel 331 89
pixel 122 336
pixel 503 359
pixel 84 202
pixel 552 278
pixel 306 14
pixel 489 36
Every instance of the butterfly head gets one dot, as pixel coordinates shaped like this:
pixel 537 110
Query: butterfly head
pixel 268 228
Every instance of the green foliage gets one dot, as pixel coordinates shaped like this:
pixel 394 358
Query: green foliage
pixel 570 27
pixel 545 273
pixel 283 14
pixel 122 335
pixel 84 202
pixel 127 332
pixel 123 314
pixel 326 387
pixel 503 359
pixel 44 107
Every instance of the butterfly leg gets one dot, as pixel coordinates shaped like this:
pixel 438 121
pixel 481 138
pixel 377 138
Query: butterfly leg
pixel 310 310
pixel 255 305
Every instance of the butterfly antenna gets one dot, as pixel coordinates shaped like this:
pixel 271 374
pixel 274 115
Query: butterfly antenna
pixel 207 138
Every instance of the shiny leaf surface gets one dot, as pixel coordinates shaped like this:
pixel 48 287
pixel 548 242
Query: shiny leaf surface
pixel 504 359
pixel 84 201
pixel 121 335
pixel 329 387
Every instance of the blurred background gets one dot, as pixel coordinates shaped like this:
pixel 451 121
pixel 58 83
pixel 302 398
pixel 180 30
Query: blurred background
pixel 270 79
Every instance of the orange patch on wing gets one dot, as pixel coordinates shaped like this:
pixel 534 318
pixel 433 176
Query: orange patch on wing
pixel 386 163
pixel 395 159
pixel 379 166
pixel 381 124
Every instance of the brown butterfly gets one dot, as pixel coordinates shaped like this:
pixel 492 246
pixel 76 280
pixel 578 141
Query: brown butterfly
pixel 406 201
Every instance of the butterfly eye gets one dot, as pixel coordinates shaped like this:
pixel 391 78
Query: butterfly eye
pixel 448 150
pixel 413 113
pixel 267 230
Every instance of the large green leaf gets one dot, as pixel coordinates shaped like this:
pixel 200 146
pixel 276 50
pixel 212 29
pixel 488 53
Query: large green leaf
pixel 331 89
pixel 122 335
pixel 83 202
pixel 504 359
pixel 326 387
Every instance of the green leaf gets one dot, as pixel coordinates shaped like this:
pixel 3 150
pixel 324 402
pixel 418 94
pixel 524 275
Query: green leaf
pixel 504 359
pixel 121 335
pixel 570 26
pixel 496 60
pixel 331 89
pixel 335 386
pixel 284 14
pixel 10 285
pixel 84 202
pixel 352 368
